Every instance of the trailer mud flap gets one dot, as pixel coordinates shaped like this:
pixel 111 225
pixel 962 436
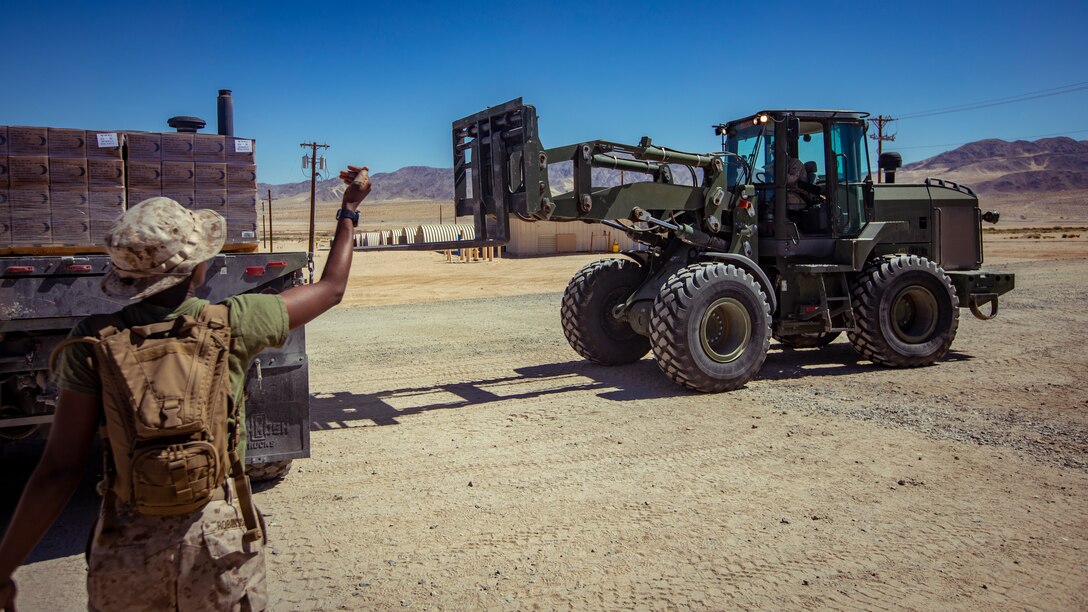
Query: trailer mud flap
pixel 278 403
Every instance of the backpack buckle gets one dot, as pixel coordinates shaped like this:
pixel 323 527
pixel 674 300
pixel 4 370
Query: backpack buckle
pixel 168 411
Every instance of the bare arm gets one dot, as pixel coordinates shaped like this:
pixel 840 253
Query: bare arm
pixel 305 302
pixel 50 486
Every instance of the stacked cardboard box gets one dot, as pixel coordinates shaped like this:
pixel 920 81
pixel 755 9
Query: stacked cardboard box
pixel 241 191
pixel 49 180
pixel 69 203
pixel 143 166
pixel 62 187
pixel 198 171
pixel 28 195
pixel 210 172
pixel 5 183
pixel 105 182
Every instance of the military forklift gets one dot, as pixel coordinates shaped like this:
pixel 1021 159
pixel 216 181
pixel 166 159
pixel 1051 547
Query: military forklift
pixel 783 233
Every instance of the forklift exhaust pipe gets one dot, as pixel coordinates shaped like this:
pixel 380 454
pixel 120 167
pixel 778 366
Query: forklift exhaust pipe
pixel 225 110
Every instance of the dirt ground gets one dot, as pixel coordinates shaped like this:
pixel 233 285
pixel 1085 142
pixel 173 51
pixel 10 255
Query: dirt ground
pixel 465 457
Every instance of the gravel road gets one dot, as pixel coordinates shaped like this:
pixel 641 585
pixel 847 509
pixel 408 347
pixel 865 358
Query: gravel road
pixel 465 457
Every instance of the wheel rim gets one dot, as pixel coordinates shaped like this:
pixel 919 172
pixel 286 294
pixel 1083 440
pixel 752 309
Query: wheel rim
pixel 617 329
pixel 725 330
pixel 914 314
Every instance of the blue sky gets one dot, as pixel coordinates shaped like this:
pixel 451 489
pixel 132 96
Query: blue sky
pixel 382 82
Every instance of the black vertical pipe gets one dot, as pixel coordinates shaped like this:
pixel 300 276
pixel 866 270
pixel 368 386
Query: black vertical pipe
pixel 225 108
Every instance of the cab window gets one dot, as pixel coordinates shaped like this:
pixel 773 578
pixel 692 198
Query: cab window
pixel 850 154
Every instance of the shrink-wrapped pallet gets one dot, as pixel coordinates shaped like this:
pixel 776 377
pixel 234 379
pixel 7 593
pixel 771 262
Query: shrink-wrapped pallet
pixel 5 219
pixel 177 147
pixel 32 141
pixel 209 148
pixel 104 145
pixel 65 143
pixel 30 217
pixel 105 205
pixel 144 146
pixel 70 217
pixel 210 176
pixel 242 217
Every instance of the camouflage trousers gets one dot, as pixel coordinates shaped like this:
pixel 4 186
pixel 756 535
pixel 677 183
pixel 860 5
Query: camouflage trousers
pixel 196 561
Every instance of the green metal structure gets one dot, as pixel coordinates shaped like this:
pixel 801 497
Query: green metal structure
pixel 782 233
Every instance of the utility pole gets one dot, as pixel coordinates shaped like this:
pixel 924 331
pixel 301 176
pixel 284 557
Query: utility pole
pixel 314 163
pixel 264 230
pixel 271 236
pixel 880 138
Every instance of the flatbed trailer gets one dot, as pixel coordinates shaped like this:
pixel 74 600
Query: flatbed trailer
pixel 43 297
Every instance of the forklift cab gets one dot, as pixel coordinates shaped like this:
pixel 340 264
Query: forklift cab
pixel 810 170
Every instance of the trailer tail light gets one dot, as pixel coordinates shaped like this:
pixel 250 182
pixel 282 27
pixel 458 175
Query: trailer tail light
pixel 808 309
pixel 277 264
pixel 254 270
pixel 79 268
pixel 19 269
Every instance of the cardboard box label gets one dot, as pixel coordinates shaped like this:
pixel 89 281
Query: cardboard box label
pixel 107 139
pixel 240 150
pixel 103 145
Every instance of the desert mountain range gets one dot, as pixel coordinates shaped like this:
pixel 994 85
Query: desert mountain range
pixel 990 167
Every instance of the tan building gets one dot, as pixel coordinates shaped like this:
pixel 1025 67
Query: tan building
pixel 551 237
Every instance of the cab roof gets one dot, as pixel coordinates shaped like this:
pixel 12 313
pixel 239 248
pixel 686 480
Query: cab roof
pixel 802 114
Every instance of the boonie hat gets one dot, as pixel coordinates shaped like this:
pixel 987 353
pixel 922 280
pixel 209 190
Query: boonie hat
pixel 156 244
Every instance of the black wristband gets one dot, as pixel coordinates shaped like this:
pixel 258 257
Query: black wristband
pixel 349 214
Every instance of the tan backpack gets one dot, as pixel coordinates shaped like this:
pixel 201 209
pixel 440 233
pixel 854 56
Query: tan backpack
pixel 169 412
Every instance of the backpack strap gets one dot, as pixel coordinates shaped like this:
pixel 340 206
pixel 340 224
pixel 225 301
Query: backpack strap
pixel 105 325
pixel 217 316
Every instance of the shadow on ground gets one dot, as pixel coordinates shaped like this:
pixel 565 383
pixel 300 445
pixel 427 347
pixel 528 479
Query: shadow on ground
pixel 638 381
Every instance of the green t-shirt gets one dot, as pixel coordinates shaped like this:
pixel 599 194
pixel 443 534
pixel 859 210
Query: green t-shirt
pixel 257 321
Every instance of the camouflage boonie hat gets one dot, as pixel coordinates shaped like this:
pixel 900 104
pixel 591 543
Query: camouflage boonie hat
pixel 156 244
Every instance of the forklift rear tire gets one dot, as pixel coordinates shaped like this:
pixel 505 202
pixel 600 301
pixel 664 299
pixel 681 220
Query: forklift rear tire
pixel 588 323
pixel 268 471
pixel 710 327
pixel 906 312
pixel 810 340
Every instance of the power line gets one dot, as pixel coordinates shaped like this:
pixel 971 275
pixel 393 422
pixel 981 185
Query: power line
pixel 1032 95
pixel 956 144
